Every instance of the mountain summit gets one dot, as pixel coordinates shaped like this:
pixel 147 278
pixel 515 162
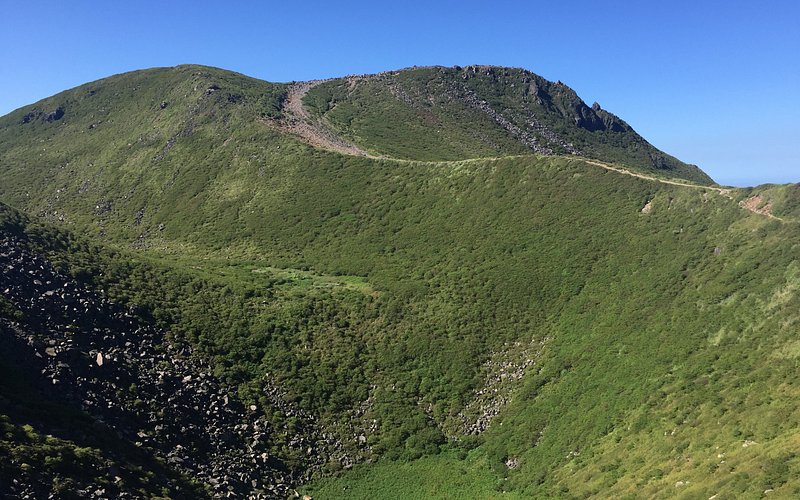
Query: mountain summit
pixel 438 113
pixel 429 114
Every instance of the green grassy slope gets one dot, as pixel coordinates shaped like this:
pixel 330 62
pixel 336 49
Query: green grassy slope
pixel 663 376
pixel 437 113
pixel 488 261
pixel 383 296
pixel 122 142
pixel 448 475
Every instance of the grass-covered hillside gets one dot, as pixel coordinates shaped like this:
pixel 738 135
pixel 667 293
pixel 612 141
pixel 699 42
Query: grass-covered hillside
pixel 437 113
pixel 536 324
pixel 165 139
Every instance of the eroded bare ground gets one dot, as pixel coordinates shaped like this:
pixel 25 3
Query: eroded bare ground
pixel 298 121
pixel 757 204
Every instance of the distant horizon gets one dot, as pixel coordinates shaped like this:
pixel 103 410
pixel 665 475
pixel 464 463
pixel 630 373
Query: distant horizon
pixel 710 83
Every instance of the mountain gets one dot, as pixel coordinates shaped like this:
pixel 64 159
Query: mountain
pixel 425 283
pixel 441 113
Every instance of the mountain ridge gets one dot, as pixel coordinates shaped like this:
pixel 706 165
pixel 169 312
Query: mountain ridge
pixel 448 312
pixel 519 129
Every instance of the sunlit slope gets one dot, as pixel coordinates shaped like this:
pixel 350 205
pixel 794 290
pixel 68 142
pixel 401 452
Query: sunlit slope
pixel 480 260
pixel 437 113
pixel 165 139
pixel 670 363
pixel 631 336
pixel 116 145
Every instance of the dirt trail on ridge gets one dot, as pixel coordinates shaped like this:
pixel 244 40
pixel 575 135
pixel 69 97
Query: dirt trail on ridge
pixel 723 191
pixel 753 204
pixel 314 131
pixel 298 121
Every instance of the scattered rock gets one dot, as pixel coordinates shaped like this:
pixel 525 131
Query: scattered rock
pixel 503 369
pixel 103 207
pixel 197 425
pixel 55 115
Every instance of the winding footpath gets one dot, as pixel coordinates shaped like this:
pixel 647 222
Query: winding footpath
pixel 752 204
pixel 314 131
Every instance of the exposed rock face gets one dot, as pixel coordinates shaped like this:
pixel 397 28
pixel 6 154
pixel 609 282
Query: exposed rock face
pixel 531 140
pixel 50 117
pixel 612 122
pixel 29 117
pixel 586 117
pixel 558 98
pixel 55 115
pixel 151 390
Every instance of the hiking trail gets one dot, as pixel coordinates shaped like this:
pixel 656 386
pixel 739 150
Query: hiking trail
pixel 313 130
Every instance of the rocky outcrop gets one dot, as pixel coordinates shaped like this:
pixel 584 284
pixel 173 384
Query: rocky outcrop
pixel 49 117
pixel 610 121
pixel 55 115
pixel 503 370
pixel 537 137
pixel 150 389
pixel 556 99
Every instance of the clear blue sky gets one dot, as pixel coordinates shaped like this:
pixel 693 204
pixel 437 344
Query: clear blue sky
pixel 712 82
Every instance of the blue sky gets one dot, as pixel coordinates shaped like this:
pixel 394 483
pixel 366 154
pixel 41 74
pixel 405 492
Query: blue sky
pixel 712 82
